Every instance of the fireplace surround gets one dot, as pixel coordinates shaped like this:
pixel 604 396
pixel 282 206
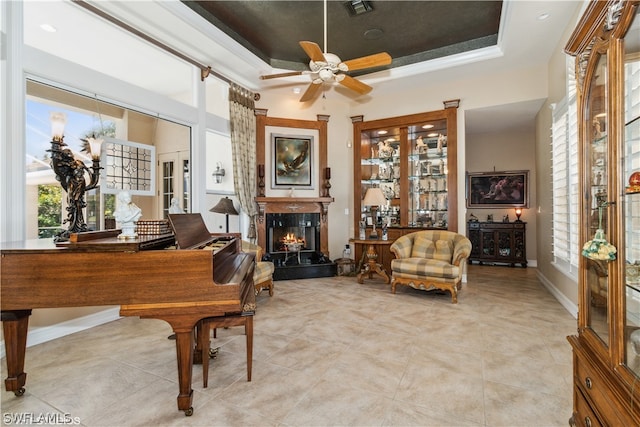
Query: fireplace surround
pixel 294 234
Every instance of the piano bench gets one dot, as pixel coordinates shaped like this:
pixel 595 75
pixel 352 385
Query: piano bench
pixel 263 276
pixel 204 339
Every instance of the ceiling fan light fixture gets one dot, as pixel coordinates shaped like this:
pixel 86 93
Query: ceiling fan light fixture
pixel 358 7
pixel 325 75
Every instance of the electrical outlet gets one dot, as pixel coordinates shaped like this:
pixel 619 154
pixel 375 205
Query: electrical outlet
pixel 346 211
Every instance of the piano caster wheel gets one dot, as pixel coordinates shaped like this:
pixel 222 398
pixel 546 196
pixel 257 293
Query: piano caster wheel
pixel 213 352
pixel 188 412
pixel 19 392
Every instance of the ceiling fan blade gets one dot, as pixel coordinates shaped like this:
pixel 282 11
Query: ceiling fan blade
pixel 355 85
pixel 275 76
pixel 377 60
pixel 312 91
pixel 313 51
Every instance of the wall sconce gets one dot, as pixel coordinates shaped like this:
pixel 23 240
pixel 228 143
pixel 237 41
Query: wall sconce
pixel 218 173
pixel 518 213
pixel 70 172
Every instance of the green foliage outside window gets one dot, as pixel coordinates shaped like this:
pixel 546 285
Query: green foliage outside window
pixel 49 210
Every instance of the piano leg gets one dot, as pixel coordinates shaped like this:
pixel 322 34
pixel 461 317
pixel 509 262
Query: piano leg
pixel 15 325
pixel 184 353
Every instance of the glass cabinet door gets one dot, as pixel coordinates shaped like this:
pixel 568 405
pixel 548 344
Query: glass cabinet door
pixel 428 171
pixel 380 167
pixel 596 152
pixel 631 201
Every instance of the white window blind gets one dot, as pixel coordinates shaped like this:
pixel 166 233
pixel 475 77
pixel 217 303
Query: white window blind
pixel 564 152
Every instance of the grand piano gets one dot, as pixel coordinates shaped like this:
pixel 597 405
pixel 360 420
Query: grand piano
pixel 205 275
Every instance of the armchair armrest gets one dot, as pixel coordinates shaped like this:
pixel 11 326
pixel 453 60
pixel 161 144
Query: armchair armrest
pixel 461 251
pixel 401 248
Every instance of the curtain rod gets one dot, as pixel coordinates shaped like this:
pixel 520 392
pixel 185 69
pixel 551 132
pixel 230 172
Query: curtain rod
pixel 205 71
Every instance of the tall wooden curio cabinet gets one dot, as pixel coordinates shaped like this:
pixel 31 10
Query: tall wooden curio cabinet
pixel 412 160
pixel 606 351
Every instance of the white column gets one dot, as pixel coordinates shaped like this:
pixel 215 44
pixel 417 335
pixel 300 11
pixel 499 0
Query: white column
pixel 12 124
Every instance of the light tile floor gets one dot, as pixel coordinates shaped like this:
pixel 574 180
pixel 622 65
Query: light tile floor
pixel 330 352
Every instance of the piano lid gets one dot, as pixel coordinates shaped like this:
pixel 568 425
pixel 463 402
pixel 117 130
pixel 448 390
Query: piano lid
pixel 190 230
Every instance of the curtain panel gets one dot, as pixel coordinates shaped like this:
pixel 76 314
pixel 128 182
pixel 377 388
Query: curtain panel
pixel 243 148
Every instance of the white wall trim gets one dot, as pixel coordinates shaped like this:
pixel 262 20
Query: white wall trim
pixel 47 333
pixel 562 299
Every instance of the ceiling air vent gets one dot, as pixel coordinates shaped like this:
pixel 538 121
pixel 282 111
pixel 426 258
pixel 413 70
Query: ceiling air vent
pixel 358 7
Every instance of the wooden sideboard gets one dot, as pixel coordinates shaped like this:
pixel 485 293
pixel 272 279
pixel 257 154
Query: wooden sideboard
pixel 498 242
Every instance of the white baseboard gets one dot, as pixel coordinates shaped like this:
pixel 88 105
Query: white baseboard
pixel 562 299
pixel 48 333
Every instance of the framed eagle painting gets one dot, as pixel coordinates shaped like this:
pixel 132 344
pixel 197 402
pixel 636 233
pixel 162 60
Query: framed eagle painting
pixel 292 160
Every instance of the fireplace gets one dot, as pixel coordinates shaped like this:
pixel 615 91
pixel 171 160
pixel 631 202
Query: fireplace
pixel 293 233
pixel 293 238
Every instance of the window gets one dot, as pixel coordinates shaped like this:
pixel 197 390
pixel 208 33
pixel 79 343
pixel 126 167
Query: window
pixel 128 166
pixel 564 152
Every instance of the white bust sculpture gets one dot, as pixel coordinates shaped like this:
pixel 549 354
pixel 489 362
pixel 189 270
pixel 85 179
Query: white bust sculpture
pixel 127 214
pixel 175 206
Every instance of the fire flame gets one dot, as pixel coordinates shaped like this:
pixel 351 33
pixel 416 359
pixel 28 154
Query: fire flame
pixel 290 239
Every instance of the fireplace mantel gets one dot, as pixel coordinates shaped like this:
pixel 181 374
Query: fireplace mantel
pixel 294 205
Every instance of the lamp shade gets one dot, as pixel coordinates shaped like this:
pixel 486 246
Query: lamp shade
pixel 374 197
pixel 58 120
pixel 224 206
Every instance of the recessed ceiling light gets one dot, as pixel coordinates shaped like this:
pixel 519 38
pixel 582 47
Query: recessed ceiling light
pixel 382 132
pixel 48 28
pixel 373 34
pixel 433 135
pixel 296 90
pixel 543 16
pixel 427 126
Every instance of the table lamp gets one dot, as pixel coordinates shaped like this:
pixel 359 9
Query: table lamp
pixel 225 206
pixel 374 198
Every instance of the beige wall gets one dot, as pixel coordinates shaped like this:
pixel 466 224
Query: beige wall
pixel 506 151
pixel 564 287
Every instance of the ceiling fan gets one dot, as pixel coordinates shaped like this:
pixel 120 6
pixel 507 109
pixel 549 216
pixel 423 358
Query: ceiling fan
pixel 326 67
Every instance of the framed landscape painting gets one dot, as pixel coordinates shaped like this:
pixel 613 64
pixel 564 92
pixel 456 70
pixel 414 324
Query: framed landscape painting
pixel 498 189
pixel 292 157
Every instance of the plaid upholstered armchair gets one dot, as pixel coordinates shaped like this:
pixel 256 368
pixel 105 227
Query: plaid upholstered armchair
pixel 263 273
pixel 430 259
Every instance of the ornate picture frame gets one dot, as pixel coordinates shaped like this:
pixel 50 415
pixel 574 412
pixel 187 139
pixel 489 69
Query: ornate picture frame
pixel 292 161
pixel 509 189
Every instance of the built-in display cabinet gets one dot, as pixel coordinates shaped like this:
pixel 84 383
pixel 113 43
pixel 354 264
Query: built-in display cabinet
pixel 412 159
pixel 606 351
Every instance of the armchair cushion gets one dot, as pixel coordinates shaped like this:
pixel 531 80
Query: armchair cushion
pixel 412 267
pixel 423 247
pixel 444 251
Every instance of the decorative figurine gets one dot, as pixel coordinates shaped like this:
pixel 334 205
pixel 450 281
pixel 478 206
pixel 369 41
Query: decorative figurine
pixel 175 206
pixel 127 214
